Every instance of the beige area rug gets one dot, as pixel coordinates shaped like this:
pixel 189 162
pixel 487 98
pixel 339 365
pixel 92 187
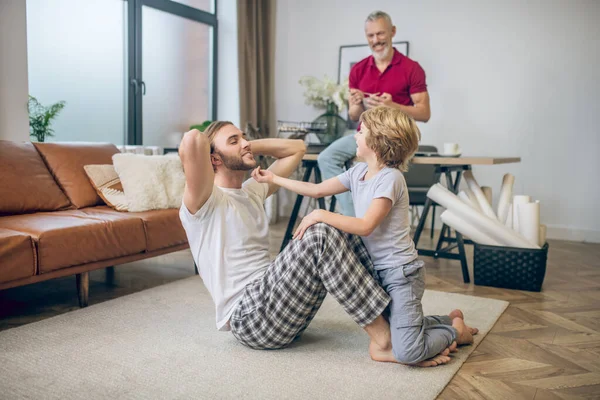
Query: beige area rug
pixel 162 344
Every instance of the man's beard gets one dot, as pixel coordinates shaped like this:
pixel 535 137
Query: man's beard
pixel 236 163
pixel 381 55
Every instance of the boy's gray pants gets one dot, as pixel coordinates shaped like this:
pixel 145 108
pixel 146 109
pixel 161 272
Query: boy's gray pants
pixel 415 337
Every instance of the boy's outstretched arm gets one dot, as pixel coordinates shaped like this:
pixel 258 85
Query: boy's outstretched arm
pixel 288 152
pixel 377 211
pixel 327 188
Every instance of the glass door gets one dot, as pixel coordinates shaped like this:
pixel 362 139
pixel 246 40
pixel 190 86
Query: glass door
pixel 173 76
pixel 77 53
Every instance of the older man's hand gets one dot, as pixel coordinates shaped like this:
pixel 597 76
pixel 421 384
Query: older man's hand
pixel 356 97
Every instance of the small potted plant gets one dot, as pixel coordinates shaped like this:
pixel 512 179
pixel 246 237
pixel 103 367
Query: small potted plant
pixel 201 127
pixel 40 118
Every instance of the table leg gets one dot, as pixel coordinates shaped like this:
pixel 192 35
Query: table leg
pixel 421 224
pixel 463 257
pixel 297 204
pixel 318 180
pixel 459 237
pixel 453 187
pixel 426 208
pixel 332 204
pixel 459 242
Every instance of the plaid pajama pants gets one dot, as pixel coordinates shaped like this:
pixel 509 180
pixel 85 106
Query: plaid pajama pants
pixel 276 308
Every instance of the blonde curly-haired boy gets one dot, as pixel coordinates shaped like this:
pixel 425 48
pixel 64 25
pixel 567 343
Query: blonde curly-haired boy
pixel 387 140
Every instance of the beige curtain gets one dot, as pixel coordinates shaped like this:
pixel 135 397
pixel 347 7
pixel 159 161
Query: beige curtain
pixel 256 55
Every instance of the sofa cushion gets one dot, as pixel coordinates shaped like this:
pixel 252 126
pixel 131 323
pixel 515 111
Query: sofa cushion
pixel 105 180
pixel 66 161
pixel 26 185
pixel 72 237
pixel 17 255
pixel 150 182
pixel 162 227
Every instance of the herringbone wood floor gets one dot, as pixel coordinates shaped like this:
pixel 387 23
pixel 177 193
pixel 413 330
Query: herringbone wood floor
pixel 545 346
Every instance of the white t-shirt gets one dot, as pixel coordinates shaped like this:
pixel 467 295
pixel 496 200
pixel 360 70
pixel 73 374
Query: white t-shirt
pixel 229 239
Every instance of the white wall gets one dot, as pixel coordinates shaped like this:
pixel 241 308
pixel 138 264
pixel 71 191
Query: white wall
pixel 228 102
pixel 508 78
pixel 14 121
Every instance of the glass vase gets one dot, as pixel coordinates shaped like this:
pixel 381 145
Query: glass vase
pixel 335 126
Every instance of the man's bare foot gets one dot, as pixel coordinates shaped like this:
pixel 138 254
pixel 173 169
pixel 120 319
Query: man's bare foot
pixel 440 359
pixel 464 333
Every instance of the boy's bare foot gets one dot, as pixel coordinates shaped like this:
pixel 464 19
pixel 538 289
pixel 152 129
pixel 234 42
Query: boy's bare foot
pixel 453 347
pixel 456 314
pixel 464 332
pixel 440 359
pixel 385 355
pixel 459 314
pixel 378 353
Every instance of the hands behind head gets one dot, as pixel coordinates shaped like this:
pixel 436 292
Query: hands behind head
pixel 262 175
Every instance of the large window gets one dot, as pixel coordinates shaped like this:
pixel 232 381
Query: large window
pixel 76 52
pixel 130 72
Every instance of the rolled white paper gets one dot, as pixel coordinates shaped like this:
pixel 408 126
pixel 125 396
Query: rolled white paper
pixel 487 192
pixel 509 219
pixel 491 227
pixel 486 208
pixel 517 200
pixel 465 198
pixel 542 241
pixel 468 230
pixel 472 199
pixel 529 221
pixel 505 198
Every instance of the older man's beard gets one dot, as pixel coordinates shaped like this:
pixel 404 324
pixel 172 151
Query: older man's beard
pixel 383 54
pixel 236 163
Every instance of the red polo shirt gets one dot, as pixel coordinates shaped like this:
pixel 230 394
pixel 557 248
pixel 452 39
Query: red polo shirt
pixel 401 78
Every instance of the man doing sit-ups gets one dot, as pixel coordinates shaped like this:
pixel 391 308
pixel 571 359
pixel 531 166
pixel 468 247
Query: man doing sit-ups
pixel 268 304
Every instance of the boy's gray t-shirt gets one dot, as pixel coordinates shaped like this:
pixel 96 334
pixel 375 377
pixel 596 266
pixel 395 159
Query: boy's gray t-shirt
pixel 390 244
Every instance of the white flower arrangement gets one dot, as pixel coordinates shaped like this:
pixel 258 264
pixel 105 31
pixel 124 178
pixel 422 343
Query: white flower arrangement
pixel 320 93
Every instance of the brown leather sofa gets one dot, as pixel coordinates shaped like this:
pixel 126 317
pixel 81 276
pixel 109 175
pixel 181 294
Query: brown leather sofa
pixel 53 223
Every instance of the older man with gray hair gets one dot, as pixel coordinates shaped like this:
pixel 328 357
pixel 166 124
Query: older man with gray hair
pixel 385 78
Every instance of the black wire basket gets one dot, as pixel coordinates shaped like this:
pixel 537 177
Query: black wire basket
pixel 510 267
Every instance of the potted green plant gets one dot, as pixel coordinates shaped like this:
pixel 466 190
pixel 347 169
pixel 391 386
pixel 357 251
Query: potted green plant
pixel 201 127
pixel 40 118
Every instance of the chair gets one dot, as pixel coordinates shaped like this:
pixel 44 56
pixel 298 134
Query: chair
pixel 419 179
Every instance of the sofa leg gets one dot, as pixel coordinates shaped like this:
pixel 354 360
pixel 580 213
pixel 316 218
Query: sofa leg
pixel 83 287
pixel 110 275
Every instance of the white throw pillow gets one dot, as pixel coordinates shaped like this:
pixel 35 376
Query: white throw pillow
pixel 150 182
